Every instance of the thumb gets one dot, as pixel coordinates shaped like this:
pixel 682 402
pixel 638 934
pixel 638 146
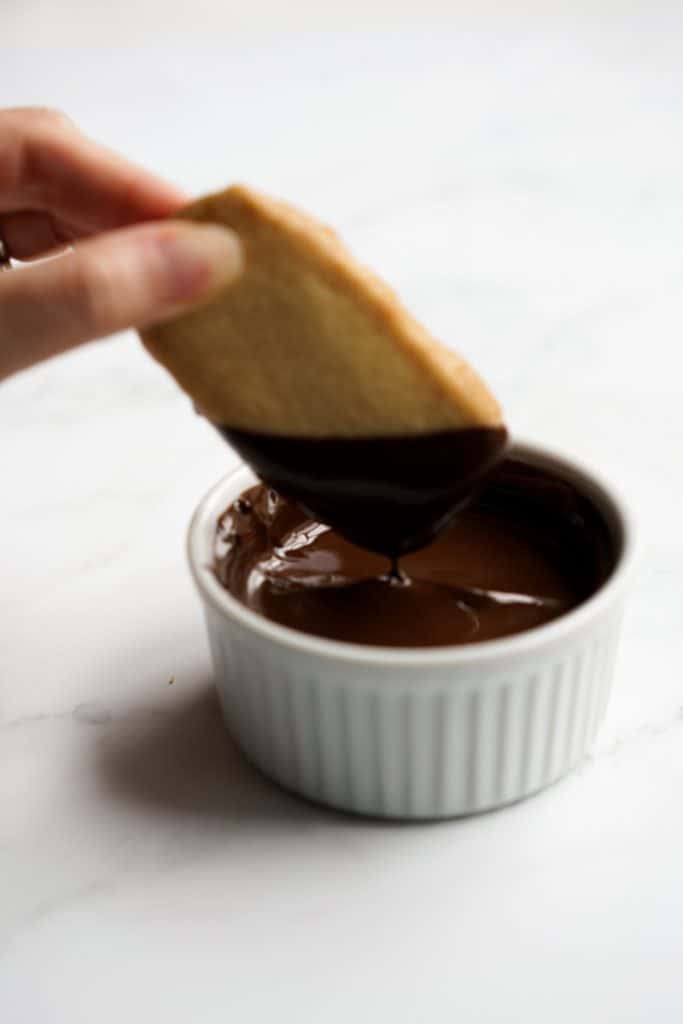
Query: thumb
pixel 126 278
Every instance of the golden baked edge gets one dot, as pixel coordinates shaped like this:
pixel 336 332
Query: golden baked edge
pixel 308 342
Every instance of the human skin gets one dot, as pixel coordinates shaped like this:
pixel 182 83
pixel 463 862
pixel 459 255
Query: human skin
pixel 121 260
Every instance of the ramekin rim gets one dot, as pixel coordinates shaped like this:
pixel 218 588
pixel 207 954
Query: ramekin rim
pixel 201 533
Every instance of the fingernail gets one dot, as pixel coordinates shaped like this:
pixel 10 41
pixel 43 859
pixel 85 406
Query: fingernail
pixel 198 260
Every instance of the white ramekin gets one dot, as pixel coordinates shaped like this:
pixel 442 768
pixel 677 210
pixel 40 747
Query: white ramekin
pixel 417 733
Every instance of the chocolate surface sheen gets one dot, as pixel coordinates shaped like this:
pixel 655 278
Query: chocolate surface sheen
pixel 527 549
pixel 388 494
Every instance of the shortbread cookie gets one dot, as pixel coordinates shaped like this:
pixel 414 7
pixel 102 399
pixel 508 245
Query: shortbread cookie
pixel 309 343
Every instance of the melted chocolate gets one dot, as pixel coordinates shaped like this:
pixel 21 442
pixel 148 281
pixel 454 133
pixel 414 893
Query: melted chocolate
pixel 528 548
pixel 390 495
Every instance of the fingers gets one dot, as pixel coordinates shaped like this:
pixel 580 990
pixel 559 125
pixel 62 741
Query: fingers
pixel 127 278
pixel 28 234
pixel 48 165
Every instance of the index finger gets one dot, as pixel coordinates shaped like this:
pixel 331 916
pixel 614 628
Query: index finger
pixel 47 164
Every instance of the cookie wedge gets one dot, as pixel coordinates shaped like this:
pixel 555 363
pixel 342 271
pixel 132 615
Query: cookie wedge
pixel 307 342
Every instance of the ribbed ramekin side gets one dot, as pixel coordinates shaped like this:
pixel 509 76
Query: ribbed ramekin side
pixel 411 743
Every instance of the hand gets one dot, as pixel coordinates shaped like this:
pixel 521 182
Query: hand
pixel 59 189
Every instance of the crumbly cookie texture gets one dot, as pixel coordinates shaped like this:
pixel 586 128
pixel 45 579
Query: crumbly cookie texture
pixel 307 342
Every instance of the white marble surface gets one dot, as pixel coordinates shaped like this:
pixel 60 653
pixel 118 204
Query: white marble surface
pixel 519 178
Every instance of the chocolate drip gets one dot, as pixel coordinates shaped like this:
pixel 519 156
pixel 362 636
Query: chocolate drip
pixel 528 548
pixel 391 495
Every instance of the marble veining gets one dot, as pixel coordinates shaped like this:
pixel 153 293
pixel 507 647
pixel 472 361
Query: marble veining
pixel 516 175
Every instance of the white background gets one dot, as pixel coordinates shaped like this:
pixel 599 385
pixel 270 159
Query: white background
pixel 516 171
